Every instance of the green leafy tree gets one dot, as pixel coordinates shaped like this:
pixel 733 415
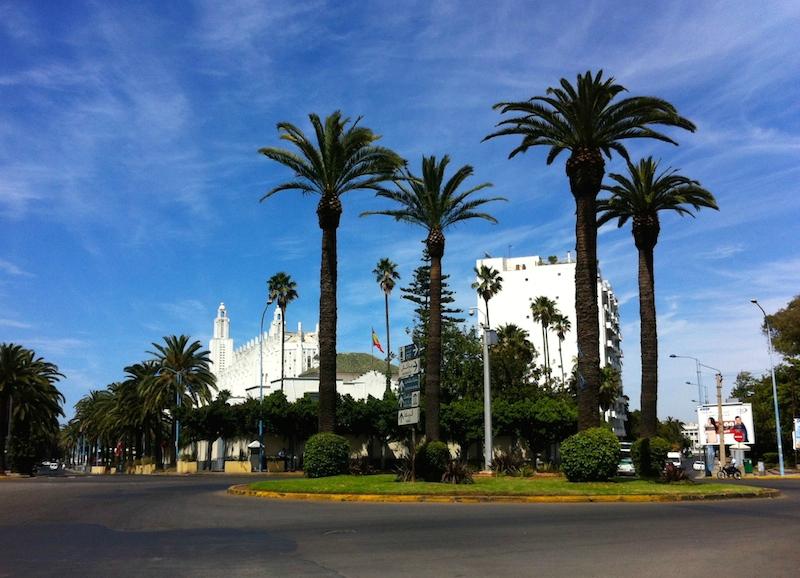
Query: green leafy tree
pixel 462 364
pixel 586 120
pixel 514 371
pixel 343 159
pixel 435 205
pixel 640 196
pixel 386 275
pixel 29 398
pixel 785 325
pixel 283 290
pixel 489 284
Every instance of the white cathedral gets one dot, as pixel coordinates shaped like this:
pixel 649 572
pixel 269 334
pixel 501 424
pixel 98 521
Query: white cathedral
pixel 237 370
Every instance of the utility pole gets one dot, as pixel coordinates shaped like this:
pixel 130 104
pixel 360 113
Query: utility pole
pixel 721 424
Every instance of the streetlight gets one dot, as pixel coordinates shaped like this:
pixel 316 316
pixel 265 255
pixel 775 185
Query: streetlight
pixel 179 375
pixel 489 338
pixel 774 386
pixel 700 391
pixel 261 388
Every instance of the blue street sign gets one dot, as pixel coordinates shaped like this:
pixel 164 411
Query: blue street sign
pixel 410 384
pixel 409 352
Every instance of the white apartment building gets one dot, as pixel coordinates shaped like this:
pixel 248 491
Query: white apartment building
pixel 237 370
pixel 525 279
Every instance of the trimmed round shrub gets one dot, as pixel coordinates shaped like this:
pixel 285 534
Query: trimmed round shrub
pixel 649 456
pixel 590 456
pixel 432 460
pixel 326 454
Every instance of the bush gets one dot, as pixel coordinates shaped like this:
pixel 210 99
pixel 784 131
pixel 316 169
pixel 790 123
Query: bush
pixel 510 463
pixel 590 456
pixel 432 460
pixel 649 456
pixel 770 459
pixel 673 473
pixel 457 472
pixel 360 465
pixel 326 454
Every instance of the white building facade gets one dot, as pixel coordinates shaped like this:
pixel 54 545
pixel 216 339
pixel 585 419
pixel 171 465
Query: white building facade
pixel 237 370
pixel 525 279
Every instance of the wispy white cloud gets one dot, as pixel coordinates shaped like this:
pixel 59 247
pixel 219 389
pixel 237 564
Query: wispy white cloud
pixel 14 324
pixel 13 269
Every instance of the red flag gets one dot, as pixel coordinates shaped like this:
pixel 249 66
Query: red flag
pixel 376 342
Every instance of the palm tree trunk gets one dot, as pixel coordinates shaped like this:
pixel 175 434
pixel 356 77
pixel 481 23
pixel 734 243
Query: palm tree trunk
pixel 486 303
pixel 388 346
pixel 561 361
pixel 586 311
pixel 544 353
pixel 648 342
pixel 327 332
pixel 5 425
pixel 433 355
pixel 283 343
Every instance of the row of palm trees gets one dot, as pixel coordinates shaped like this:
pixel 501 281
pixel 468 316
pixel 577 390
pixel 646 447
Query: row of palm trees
pixel 30 403
pixel 586 119
pixel 138 414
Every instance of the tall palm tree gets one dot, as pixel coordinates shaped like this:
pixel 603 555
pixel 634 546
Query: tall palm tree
pixel 544 310
pixel 610 387
pixel 283 291
pixel 435 205
pixel 586 121
pixel 561 325
pixel 640 196
pixel 344 159
pixel 386 274
pixel 489 284
pixel 27 393
pixel 183 379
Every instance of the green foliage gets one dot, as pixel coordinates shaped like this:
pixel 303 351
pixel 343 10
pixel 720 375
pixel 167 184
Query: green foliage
pixel 589 456
pixel 457 472
pixel 673 473
pixel 360 465
pixel 28 446
pixel 508 463
pixel 326 454
pixel 432 460
pixel 770 459
pixel 785 326
pixel 514 372
pixel 649 456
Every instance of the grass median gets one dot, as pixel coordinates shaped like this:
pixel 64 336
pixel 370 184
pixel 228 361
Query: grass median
pixel 385 485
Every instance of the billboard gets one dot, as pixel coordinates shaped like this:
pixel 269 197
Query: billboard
pixel 797 433
pixel 737 422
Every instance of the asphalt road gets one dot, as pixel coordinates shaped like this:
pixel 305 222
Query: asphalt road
pixel 188 526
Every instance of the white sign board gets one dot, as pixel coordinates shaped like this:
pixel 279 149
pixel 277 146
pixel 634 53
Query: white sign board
pixel 408 416
pixel 409 367
pixel 797 433
pixel 737 422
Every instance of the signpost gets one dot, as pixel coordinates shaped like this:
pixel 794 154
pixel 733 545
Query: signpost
pixel 410 384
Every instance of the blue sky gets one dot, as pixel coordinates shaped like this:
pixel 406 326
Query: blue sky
pixel 129 177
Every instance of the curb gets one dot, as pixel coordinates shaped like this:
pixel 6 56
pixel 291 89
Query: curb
pixel 244 490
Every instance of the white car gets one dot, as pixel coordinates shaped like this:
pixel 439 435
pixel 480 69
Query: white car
pixel 699 465
pixel 625 467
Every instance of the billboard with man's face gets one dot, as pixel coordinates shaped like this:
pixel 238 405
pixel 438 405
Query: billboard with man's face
pixel 737 423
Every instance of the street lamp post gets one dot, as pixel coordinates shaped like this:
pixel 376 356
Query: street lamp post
pixel 261 388
pixel 702 398
pixel 488 335
pixel 774 386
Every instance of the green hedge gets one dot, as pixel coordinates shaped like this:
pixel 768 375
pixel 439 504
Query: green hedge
pixel 432 460
pixel 590 456
pixel 326 454
pixel 649 456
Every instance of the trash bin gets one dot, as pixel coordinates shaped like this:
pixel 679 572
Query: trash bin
pixel 748 466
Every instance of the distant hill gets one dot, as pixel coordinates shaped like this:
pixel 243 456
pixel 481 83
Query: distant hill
pixel 352 365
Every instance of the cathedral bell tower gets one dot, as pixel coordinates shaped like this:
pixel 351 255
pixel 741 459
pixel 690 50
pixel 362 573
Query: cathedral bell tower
pixel 221 345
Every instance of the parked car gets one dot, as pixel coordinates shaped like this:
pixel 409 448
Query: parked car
pixel 625 467
pixel 699 465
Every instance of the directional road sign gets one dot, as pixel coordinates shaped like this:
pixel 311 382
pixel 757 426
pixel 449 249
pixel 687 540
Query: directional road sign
pixel 408 416
pixel 409 368
pixel 409 352
pixel 410 384
pixel 408 400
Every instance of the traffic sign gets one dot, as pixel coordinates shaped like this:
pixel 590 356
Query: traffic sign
pixel 410 384
pixel 408 416
pixel 409 352
pixel 409 368
pixel 408 400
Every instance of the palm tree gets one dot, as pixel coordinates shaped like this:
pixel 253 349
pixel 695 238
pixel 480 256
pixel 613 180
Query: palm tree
pixel 386 274
pixel 344 159
pixel 639 196
pixel 283 291
pixel 489 284
pixel 585 121
pixel 610 387
pixel 183 378
pixel 27 394
pixel 435 205
pixel 561 325
pixel 544 310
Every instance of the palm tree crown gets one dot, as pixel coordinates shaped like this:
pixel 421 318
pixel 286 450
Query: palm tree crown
pixel 489 284
pixel 283 291
pixel 435 204
pixel 343 159
pixel 386 274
